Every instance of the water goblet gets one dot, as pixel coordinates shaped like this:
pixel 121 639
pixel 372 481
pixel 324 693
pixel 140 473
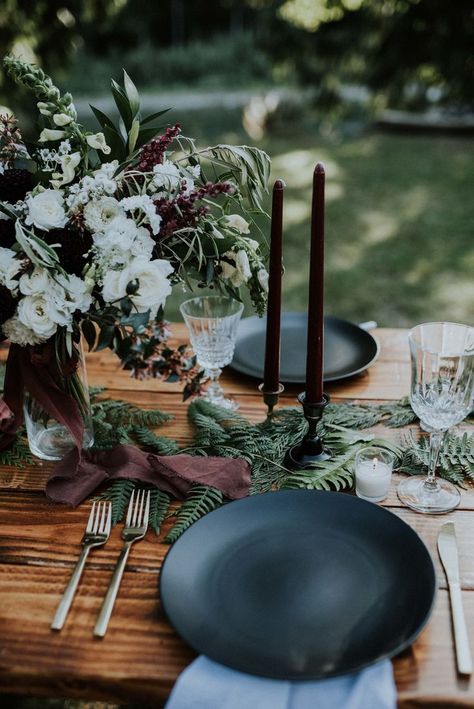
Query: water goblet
pixel 212 322
pixel 442 395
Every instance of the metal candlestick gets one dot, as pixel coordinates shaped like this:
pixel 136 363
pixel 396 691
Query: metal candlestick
pixel 270 397
pixel 311 449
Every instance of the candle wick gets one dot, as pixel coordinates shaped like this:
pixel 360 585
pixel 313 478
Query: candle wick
pixel 374 462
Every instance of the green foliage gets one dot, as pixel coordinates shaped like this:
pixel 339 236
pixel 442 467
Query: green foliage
pixel 200 500
pixel 456 458
pixel 149 441
pixel 18 454
pixel 159 505
pixel 118 493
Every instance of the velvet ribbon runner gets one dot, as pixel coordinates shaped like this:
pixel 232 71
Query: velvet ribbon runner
pixel 79 473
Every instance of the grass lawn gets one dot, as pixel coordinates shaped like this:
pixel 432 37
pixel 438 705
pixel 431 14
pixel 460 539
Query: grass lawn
pixel 399 221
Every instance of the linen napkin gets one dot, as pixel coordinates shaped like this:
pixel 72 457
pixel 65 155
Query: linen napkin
pixel 207 685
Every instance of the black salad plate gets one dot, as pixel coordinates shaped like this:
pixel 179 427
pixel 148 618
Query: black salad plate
pixel 348 349
pixel 298 584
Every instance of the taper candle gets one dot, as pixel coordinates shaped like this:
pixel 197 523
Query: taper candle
pixel 271 376
pixel 314 348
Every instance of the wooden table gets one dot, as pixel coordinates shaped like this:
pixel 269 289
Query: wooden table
pixel 141 655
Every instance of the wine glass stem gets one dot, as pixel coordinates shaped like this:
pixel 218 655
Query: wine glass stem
pixel 436 439
pixel 214 389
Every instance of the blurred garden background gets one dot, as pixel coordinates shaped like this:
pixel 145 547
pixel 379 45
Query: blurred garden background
pixel 381 91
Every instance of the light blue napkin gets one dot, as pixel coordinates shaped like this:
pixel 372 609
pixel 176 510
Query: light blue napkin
pixel 208 685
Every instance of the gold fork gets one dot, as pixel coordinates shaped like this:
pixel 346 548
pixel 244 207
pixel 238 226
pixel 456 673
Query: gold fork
pixel 97 532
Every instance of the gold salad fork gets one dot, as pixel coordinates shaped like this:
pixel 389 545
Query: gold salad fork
pixel 135 528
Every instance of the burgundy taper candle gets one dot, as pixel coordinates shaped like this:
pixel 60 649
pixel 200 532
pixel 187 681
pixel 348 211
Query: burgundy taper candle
pixel 314 348
pixel 271 376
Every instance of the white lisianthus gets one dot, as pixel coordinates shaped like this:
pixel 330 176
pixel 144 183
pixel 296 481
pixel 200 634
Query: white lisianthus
pixel 143 244
pixel 231 274
pixel 61 119
pixel 78 293
pixel 46 210
pixel 16 332
pixel 34 313
pixel 98 142
pixel 50 135
pixel 235 221
pixel 120 234
pixel 9 268
pixel 68 165
pixel 99 214
pixel 262 277
pixel 35 283
pixel 153 284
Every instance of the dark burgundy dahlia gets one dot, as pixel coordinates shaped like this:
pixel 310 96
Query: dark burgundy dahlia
pixel 14 184
pixel 73 249
pixel 7 233
pixel 7 305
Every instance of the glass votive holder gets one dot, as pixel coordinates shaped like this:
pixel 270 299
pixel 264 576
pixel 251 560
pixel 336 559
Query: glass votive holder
pixel 373 472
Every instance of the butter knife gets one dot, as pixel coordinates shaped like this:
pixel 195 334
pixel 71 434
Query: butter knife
pixel 448 551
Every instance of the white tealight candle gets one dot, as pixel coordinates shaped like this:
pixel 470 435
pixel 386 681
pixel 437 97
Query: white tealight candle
pixel 373 472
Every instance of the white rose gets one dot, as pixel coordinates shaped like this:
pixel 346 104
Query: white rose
pixel 61 119
pixel 77 292
pixel 97 141
pixel 33 313
pixel 262 277
pixel 115 285
pixel 37 282
pixel 235 221
pixel 9 268
pixel 48 135
pixel 46 210
pixel 68 165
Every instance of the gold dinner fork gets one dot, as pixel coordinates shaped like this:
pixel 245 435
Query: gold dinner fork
pixel 97 532
pixel 135 528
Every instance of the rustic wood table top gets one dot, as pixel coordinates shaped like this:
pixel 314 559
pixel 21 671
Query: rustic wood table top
pixel 141 655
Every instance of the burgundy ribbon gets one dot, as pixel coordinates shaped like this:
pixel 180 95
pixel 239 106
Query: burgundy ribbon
pixel 78 474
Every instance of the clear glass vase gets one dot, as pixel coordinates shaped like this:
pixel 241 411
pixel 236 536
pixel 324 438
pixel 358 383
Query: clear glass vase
pixel 47 438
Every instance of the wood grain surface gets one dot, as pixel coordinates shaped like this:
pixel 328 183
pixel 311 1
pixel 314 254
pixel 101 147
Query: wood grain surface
pixel 141 656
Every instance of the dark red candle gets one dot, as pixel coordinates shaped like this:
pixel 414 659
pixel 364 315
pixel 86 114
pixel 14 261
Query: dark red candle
pixel 314 348
pixel 271 376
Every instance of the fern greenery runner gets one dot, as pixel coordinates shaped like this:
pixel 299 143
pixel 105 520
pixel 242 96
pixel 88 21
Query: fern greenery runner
pixel 219 432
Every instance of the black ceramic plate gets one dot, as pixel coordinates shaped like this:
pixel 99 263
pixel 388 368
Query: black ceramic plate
pixel 298 584
pixel 348 349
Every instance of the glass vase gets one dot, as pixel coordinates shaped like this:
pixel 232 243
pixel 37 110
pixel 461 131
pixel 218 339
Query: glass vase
pixel 47 438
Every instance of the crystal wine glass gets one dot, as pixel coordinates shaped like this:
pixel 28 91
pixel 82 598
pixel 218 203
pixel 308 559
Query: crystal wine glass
pixel 442 395
pixel 212 322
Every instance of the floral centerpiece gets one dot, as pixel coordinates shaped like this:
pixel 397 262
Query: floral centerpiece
pixel 95 231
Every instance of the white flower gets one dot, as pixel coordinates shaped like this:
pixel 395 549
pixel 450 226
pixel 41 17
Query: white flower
pixel 9 267
pixel 262 277
pixel 145 204
pixel 119 234
pixel 61 119
pixel 68 165
pixel 43 108
pixel 143 244
pixel 77 292
pixel 166 175
pixel 97 141
pixel 35 283
pixel 235 221
pixel 48 134
pixel 33 313
pixel 16 332
pixel 46 210
pixel 101 213
pixel 242 264
pixel 231 273
pixel 153 284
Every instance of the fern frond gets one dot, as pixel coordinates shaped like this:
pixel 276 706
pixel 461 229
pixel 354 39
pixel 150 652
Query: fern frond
pixel 200 500
pixel 118 493
pixel 149 441
pixel 159 506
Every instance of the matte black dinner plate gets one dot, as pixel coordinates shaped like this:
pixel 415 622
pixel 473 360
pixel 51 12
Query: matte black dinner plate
pixel 348 349
pixel 298 584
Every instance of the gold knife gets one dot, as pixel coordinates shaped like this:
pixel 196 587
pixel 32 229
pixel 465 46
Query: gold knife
pixel 448 551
